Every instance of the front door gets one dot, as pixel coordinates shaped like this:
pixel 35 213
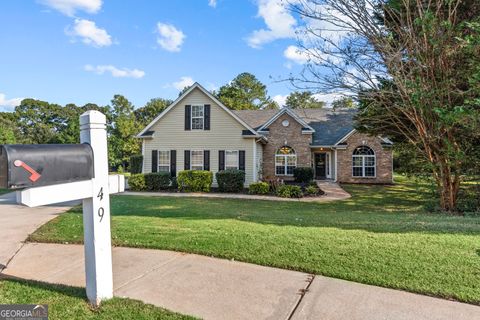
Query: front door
pixel 320 166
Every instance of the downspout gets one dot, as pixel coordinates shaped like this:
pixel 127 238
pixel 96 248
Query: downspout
pixel 143 155
pixel 336 160
pixel 254 160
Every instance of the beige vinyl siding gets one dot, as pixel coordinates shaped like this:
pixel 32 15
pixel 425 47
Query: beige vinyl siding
pixel 225 134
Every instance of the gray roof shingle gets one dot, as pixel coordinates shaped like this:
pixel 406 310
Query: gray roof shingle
pixel 330 126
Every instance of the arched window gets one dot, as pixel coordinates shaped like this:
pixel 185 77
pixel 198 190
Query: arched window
pixel 363 162
pixel 285 161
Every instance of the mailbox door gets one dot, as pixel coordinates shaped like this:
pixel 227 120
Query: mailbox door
pixel 39 165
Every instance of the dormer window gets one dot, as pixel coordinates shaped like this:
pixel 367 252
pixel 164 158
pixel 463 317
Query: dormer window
pixel 197 117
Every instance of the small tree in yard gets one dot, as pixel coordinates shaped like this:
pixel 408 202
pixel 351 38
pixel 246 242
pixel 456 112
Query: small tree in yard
pixel 415 66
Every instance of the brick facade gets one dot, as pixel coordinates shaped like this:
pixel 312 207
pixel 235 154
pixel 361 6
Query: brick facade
pixel 383 160
pixel 279 136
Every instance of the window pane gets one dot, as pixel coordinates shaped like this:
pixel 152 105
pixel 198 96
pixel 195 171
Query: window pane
pixel 291 160
pixel 290 169
pixel 197 123
pixel 280 170
pixel 231 159
pixel 357 161
pixel 357 172
pixel 369 161
pixel 285 150
pixel 369 171
pixel 363 150
pixel 280 160
pixel 196 159
pixel 197 111
pixel 164 158
pixel 164 169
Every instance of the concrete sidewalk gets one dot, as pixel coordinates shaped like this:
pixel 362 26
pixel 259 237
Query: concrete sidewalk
pixel 17 222
pixel 221 289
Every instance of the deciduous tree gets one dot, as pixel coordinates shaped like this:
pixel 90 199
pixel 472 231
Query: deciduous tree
pixel 428 50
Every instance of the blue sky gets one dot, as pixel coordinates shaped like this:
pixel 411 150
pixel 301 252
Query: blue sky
pixel 80 51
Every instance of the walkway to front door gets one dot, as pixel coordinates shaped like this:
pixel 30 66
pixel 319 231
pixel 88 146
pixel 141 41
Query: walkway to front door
pixel 333 190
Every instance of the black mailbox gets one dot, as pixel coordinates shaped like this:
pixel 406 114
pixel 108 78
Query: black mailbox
pixel 33 165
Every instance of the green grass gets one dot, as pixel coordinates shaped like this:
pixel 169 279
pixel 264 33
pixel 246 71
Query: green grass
pixel 70 302
pixel 2 191
pixel 381 236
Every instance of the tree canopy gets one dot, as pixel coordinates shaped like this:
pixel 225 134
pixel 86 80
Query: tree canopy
pixel 303 100
pixel 151 110
pixel 245 92
pixel 415 66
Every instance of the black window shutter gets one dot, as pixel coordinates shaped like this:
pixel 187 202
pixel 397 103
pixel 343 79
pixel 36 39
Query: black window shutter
pixel 188 116
pixel 241 160
pixel 187 160
pixel 206 160
pixel 221 160
pixel 206 117
pixel 173 163
pixel 154 160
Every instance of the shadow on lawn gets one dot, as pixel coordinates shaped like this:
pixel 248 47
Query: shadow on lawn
pixel 75 292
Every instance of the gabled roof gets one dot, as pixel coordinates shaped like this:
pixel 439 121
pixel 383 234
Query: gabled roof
pixel 329 125
pixel 196 85
pixel 290 113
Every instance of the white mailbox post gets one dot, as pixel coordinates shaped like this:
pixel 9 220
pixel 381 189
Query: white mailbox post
pixel 95 194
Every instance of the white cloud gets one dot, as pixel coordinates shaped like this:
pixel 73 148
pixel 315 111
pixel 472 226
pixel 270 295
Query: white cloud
pixel 9 104
pixel 183 82
pixel 212 3
pixel 328 98
pixel 89 33
pixel 279 21
pixel 296 55
pixel 280 99
pixel 116 72
pixel 69 7
pixel 169 37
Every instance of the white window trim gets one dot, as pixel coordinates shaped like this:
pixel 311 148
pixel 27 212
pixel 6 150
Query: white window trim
pixel 203 159
pixel 202 117
pixel 238 160
pixel 363 156
pixel 158 157
pixel 285 165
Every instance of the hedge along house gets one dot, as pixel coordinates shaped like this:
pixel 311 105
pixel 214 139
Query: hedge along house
pixel 197 132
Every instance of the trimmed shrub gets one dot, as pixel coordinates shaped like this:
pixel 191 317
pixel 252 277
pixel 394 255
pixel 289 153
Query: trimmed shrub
pixel 195 181
pixel 136 182
pixel 136 163
pixel 289 191
pixel 274 183
pixel 303 174
pixel 230 180
pixel 173 184
pixel 259 188
pixel 312 190
pixel 157 181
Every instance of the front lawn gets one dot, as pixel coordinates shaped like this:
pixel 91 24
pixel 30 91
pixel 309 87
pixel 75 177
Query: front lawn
pixel 2 191
pixel 380 236
pixel 70 302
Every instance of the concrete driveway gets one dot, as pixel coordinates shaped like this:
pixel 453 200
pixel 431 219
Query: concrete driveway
pixel 17 222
